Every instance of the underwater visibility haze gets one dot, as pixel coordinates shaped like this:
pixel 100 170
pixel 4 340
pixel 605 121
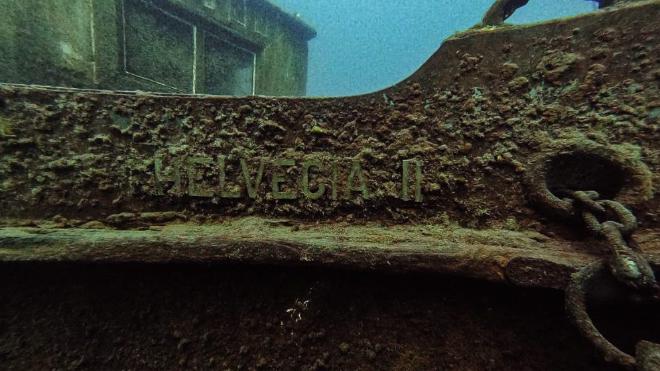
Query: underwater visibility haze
pixel 367 45
pixel 238 47
pixel 325 185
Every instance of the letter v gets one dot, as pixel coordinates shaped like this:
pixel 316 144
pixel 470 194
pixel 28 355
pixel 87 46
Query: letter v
pixel 252 187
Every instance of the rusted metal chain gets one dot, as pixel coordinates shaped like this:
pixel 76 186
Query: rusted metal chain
pixel 647 356
pixel 625 263
pixel 576 307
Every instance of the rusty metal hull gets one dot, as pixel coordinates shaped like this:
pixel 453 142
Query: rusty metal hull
pixel 451 147
pixel 451 171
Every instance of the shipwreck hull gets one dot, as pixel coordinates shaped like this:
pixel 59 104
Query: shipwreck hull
pixel 454 171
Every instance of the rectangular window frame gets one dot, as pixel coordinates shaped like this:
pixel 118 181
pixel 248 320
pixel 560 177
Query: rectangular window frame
pixel 254 58
pixel 178 19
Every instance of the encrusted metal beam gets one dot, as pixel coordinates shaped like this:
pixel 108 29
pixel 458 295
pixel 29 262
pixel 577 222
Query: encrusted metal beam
pixel 458 169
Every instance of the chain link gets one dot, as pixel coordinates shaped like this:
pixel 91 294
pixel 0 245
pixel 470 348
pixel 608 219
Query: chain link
pixel 612 222
pixel 618 223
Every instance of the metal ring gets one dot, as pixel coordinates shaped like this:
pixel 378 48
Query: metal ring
pixel 576 306
pixel 636 188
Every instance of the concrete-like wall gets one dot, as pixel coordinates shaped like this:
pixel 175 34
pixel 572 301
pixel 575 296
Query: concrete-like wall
pixel 283 65
pixel 160 45
pixel 7 45
pixel 47 42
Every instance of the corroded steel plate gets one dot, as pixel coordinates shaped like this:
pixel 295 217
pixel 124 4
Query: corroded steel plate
pixel 446 171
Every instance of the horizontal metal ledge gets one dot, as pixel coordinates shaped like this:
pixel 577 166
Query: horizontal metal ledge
pixel 521 258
